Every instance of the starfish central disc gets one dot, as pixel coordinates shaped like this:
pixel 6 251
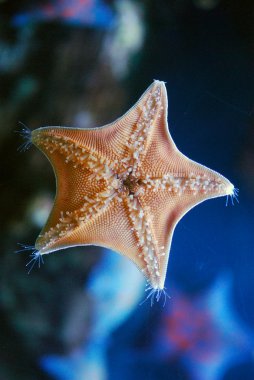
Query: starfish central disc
pixel 131 184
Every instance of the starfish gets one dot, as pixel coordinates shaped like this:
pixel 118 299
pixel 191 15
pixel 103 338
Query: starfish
pixel 124 186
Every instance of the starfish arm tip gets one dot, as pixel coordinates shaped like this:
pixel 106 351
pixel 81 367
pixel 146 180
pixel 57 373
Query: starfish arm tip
pixel 26 134
pixel 160 82
pixel 229 190
pixel 232 192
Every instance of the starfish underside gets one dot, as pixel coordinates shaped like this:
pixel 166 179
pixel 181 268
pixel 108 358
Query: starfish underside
pixel 124 186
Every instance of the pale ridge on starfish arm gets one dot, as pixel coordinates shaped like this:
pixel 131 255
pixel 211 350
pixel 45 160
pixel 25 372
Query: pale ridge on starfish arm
pixel 124 186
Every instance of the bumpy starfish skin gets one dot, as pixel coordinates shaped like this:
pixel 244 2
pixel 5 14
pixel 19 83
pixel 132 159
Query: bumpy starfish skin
pixel 124 186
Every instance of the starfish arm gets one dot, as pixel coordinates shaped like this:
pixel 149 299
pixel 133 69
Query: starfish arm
pixel 64 144
pixel 161 163
pixel 170 198
pixel 165 211
pixel 150 107
pixel 160 157
pixel 114 144
pixel 149 251
pixel 158 148
pixel 194 179
pixel 109 228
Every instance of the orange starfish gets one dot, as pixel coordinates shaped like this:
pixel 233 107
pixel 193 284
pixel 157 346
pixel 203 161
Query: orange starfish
pixel 124 186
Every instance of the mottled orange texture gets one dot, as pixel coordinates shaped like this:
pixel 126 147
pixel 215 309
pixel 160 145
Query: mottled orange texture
pixel 124 186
